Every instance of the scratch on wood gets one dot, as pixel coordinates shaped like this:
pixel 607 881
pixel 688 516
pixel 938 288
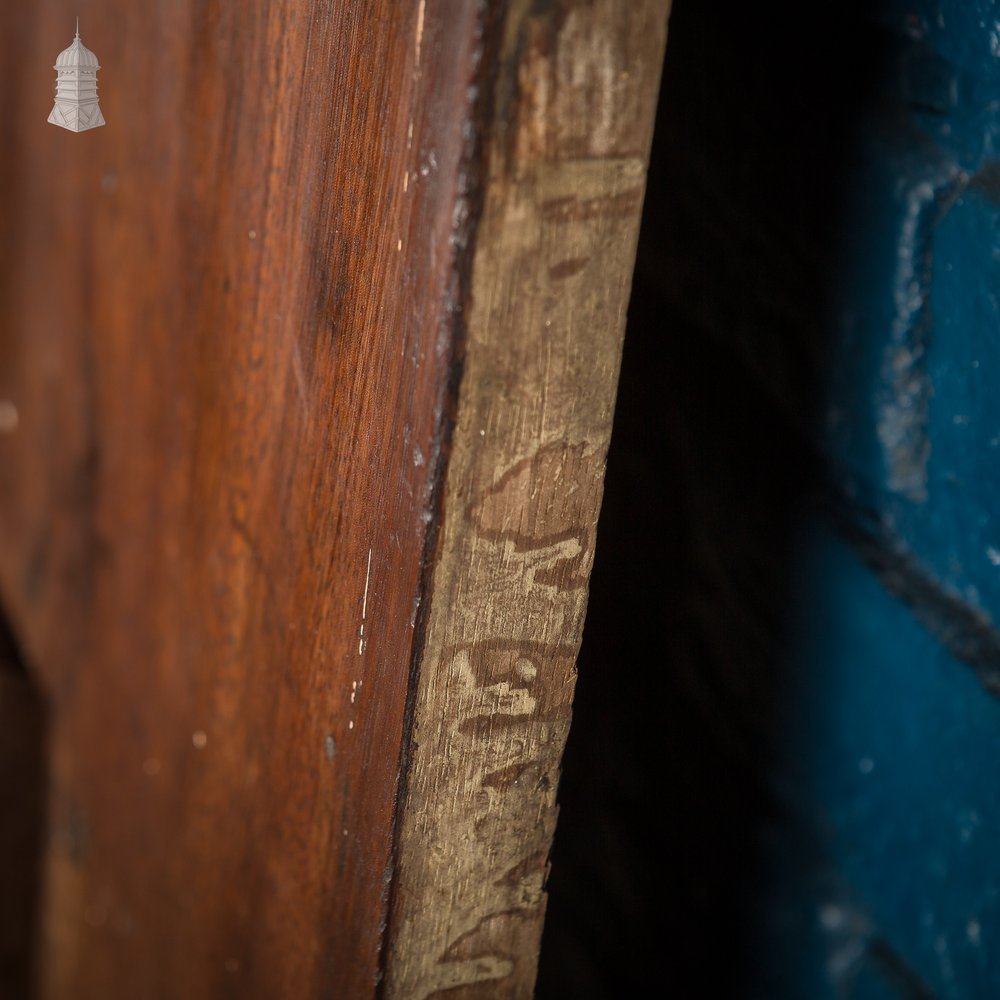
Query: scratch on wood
pixel 418 43
pixel 362 642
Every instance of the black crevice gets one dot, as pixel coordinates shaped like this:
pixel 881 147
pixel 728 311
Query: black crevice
pixel 23 799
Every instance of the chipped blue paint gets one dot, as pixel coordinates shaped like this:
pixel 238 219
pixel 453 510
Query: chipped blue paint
pixel 910 418
pixel 884 871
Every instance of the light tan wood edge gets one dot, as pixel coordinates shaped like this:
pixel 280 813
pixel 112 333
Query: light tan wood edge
pixel 576 87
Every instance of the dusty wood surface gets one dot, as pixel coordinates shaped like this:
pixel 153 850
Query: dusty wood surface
pixel 574 94
pixel 224 346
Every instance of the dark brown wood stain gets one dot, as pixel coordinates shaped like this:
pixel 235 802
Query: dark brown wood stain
pixel 219 323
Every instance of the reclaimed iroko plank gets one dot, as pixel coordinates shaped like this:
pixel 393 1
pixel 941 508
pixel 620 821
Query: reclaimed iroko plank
pixel 233 325
pixel 225 326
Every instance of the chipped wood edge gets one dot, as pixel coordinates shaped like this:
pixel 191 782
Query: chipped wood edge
pixel 565 152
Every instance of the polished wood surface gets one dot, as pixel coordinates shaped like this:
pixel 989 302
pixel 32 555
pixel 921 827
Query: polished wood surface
pixel 220 319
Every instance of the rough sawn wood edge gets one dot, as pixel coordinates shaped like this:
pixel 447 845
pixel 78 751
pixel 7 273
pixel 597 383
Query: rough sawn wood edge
pixel 573 86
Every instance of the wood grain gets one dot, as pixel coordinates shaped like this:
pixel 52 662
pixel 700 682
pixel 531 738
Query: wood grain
pixel 574 94
pixel 225 329
pixel 232 329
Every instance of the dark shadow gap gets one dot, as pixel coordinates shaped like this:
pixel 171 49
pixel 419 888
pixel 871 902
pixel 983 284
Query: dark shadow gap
pixel 23 712
pixel 666 789
pixel 23 801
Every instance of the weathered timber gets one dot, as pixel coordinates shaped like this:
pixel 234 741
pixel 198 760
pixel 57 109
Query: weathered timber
pixel 566 146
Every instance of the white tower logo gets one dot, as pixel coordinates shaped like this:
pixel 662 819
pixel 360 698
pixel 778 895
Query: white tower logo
pixel 76 106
